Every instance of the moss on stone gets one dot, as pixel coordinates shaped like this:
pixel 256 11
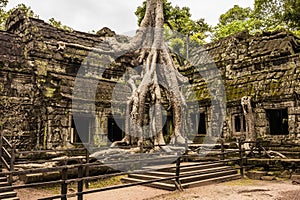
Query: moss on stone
pixel 41 67
pixel 49 92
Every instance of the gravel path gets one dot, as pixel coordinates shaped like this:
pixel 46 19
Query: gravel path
pixel 237 190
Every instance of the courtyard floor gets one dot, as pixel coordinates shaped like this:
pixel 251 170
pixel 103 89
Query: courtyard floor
pixel 244 189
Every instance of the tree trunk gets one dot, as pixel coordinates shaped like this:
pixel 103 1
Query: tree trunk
pixel 159 83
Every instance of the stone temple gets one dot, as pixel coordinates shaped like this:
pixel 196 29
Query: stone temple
pixel 39 64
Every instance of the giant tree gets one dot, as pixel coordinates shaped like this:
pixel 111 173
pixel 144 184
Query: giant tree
pixel 158 67
pixel 156 84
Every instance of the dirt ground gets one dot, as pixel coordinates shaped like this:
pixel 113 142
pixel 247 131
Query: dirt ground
pixel 244 189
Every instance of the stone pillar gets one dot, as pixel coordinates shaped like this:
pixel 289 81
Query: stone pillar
pixel 248 112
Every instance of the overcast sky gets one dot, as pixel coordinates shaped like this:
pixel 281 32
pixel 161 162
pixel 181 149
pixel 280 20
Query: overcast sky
pixel 118 15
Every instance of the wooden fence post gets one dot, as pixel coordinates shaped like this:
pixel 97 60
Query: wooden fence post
pixel 64 185
pixel 1 146
pixel 142 147
pixel 80 183
pixel 87 160
pixel 12 163
pixel 241 158
pixel 177 179
pixel 222 150
pixel 186 145
pixel 259 145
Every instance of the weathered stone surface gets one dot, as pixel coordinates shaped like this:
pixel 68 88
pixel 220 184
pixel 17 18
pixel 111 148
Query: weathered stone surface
pixel 38 68
pixel 285 174
pixel 268 178
pixel 295 177
pixel 256 174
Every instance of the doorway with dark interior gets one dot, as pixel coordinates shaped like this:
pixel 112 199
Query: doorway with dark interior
pixel 116 127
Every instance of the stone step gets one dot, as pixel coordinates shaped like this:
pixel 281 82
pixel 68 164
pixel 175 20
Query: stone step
pixel 195 175
pixel 186 173
pixel 211 181
pixel 192 174
pixel 171 186
pixel 194 167
pixel 4 184
pixel 159 185
pixel 5 195
pixel 205 171
pixel 12 198
pixel 207 176
pixel 3 179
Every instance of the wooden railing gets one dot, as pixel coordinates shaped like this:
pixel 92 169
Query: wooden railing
pixel 81 178
pixel 9 154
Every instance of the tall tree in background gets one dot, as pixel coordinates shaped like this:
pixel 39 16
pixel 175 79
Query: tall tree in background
pixel 292 13
pixel 285 13
pixel 267 15
pixel 270 12
pixel 235 20
pixel 3 13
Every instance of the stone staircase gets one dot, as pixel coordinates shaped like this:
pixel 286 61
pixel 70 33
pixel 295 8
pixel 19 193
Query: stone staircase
pixel 6 194
pixel 192 175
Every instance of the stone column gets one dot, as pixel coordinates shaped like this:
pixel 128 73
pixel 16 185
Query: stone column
pixel 248 112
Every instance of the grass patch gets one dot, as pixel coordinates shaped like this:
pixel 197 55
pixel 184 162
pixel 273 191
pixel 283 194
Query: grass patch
pixel 56 188
pixel 53 189
pixel 241 182
pixel 116 180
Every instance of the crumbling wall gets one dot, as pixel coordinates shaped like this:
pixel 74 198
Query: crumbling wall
pixel 50 69
pixel 265 67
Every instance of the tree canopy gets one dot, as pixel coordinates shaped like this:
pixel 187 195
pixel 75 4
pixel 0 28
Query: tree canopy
pixel 235 20
pixel 266 15
pixel 179 20
pixel 4 15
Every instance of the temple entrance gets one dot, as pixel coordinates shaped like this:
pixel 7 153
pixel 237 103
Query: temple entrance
pixel 202 124
pixel 82 131
pixel 239 126
pixel 278 121
pixel 115 130
pixel 168 128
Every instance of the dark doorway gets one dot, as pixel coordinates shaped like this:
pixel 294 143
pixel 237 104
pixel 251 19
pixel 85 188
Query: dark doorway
pixel 115 130
pixel 198 123
pixel 239 123
pixel 202 124
pixel 278 121
pixel 82 129
pixel 168 126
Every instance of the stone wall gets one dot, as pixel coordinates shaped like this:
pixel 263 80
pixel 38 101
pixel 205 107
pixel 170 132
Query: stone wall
pixel 35 64
pixel 265 67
